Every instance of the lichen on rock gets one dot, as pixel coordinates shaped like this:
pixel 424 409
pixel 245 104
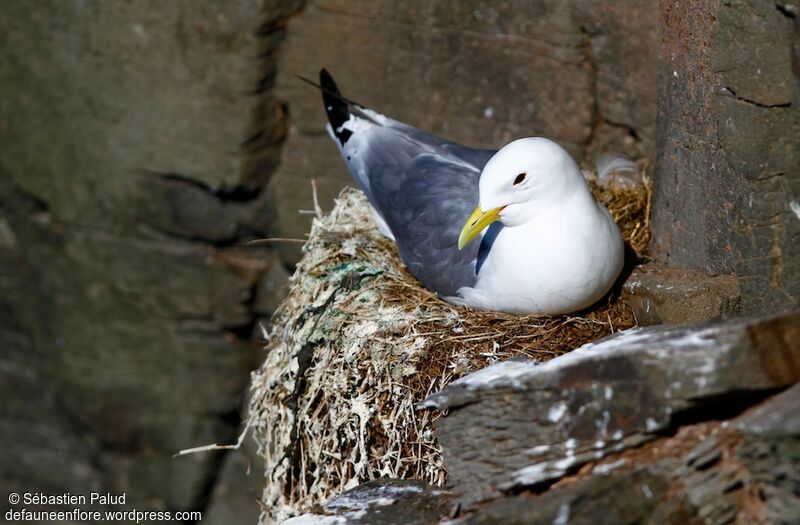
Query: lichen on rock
pixel 359 342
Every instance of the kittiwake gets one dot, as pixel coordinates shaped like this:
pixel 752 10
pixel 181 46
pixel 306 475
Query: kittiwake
pixel 546 245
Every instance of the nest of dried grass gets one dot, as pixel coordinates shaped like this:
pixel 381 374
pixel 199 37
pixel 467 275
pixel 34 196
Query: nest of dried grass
pixel 358 342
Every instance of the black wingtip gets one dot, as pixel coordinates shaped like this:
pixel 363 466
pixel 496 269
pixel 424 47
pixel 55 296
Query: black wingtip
pixel 336 106
pixel 326 81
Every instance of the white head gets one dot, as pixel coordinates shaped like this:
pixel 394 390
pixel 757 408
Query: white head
pixel 523 178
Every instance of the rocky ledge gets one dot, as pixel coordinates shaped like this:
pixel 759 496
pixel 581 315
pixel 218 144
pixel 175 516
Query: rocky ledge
pixel 683 424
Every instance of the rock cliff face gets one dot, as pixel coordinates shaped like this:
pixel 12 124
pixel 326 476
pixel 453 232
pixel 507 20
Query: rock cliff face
pixel 727 167
pixel 137 139
pixel 143 145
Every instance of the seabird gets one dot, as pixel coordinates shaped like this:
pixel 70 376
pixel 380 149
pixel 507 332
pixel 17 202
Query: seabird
pixel 546 245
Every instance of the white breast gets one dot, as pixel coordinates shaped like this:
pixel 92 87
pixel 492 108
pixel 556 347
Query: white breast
pixel 563 261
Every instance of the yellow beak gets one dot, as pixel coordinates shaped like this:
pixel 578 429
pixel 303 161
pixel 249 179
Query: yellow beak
pixel 476 223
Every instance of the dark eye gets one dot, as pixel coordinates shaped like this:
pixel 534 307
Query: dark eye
pixel 520 178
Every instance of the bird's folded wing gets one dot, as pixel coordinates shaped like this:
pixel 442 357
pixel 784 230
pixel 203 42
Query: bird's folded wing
pixel 425 204
pixel 424 187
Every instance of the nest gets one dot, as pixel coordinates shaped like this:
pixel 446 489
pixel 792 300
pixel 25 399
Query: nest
pixel 359 342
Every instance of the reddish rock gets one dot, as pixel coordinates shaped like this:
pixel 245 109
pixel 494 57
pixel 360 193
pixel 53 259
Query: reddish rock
pixel 661 294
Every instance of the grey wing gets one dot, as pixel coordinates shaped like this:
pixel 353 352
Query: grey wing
pixel 422 186
pixel 425 204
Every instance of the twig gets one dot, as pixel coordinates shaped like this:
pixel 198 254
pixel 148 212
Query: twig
pixel 274 239
pixel 317 209
pixel 207 448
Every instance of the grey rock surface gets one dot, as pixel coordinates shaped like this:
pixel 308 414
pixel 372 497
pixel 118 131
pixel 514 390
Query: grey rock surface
pixel 137 143
pixel 540 422
pixel 740 471
pixel 43 448
pixel 237 488
pixel 381 502
pixel 727 171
